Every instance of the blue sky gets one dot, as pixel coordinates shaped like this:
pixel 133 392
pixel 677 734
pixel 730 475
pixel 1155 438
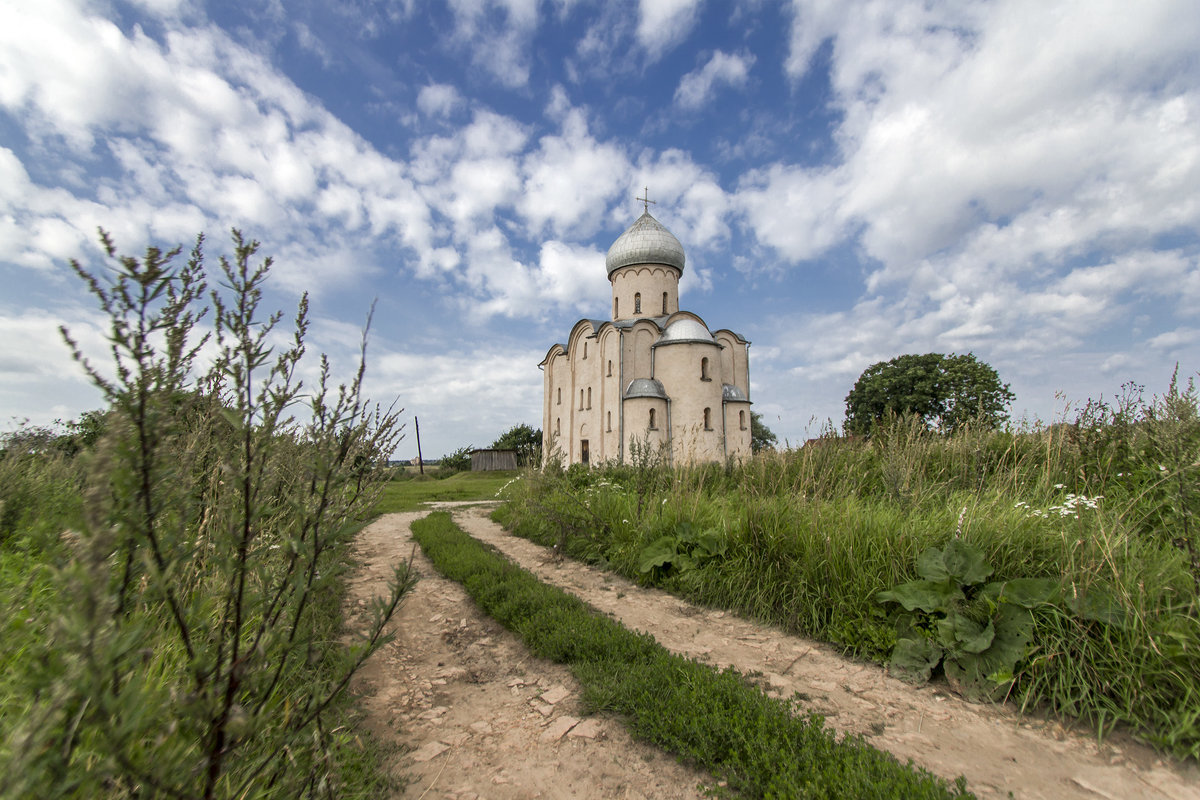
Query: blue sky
pixel 850 181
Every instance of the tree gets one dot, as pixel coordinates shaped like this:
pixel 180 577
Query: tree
pixel 525 440
pixel 458 461
pixel 761 437
pixel 944 391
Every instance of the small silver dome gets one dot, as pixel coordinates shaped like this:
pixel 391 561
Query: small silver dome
pixel 646 242
pixel 732 394
pixel 685 329
pixel 645 387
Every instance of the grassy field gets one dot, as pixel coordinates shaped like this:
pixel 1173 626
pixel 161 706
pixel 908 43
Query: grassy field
pixel 409 492
pixel 1071 555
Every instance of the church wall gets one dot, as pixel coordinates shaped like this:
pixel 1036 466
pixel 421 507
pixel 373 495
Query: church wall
pixel 638 342
pixel 735 361
pixel 556 424
pixel 585 358
pixel 737 430
pixel 610 393
pixel 651 282
pixel 637 423
pixel 678 366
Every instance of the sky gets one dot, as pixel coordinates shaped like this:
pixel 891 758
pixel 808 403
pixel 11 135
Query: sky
pixel 851 181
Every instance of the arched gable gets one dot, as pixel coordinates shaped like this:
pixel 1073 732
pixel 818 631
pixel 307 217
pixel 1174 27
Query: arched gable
pixel 582 333
pixel 639 340
pixel 735 362
pixel 683 315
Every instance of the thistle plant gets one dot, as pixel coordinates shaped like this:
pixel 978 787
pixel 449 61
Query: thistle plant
pixel 196 649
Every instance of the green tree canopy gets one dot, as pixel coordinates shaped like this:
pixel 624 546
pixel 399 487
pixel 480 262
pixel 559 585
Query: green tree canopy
pixel 945 391
pixel 458 461
pixel 761 436
pixel 525 440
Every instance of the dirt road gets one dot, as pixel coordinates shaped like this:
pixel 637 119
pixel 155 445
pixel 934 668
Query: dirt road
pixel 478 717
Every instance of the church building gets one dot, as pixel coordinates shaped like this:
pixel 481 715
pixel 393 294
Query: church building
pixel 652 374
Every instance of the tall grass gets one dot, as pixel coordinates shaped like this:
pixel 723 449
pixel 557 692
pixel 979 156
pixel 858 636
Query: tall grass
pixel 1105 504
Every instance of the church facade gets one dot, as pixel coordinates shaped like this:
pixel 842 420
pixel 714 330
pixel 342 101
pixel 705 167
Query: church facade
pixel 652 375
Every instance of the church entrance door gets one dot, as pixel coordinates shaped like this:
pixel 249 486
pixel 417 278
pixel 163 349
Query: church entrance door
pixel 583 451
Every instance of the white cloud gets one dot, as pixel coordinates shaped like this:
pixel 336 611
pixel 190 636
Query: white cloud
pixel 438 100
pixel 208 135
pixel 796 211
pixel 36 371
pixel 1177 340
pixel 1007 170
pixel 442 390
pixel 313 44
pixel 663 24
pixel 497 34
pixel 570 179
pixel 573 276
pixel 723 69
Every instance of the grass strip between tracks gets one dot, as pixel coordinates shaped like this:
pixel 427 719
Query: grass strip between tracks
pixel 759 746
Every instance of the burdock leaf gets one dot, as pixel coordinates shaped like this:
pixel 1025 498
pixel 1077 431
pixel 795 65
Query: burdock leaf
pixel 1024 592
pixel 930 566
pixel 913 659
pixel 960 632
pixel 658 553
pixel 925 595
pixel 965 563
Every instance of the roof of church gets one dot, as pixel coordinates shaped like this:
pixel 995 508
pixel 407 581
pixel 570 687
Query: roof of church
pixel 733 394
pixel 645 387
pixel 646 242
pixel 685 329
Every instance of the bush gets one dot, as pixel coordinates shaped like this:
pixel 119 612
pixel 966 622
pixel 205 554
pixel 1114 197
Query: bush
pixel 200 596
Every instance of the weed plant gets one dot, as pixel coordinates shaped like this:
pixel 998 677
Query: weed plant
pixel 182 634
pixel 1106 505
pixel 760 747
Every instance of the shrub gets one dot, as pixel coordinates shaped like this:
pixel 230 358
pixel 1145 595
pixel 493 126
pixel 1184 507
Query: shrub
pixel 195 640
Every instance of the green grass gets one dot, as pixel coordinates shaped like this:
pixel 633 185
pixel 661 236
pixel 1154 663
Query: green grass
pixel 813 535
pixel 761 747
pixel 411 493
pixel 40 498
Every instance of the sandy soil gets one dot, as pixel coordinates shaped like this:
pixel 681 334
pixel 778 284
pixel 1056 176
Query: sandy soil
pixel 476 716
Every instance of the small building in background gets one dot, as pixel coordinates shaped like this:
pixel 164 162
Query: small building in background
pixel 487 460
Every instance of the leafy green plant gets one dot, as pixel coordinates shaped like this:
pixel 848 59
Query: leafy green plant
pixel 685 549
pixel 458 461
pixel 192 648
pixel 978 632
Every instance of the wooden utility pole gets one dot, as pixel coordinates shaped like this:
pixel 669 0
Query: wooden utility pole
pixel 420 461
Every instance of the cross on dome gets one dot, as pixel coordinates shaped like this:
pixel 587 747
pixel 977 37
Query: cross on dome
pixel 646 201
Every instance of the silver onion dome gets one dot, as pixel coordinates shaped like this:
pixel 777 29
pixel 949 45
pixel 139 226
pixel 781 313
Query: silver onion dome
pixel 646 242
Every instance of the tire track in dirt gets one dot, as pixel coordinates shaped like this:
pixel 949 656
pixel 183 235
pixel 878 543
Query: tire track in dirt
pixel 471 714
pixel 996 749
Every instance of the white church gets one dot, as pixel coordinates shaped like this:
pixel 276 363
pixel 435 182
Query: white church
pixel 652 374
